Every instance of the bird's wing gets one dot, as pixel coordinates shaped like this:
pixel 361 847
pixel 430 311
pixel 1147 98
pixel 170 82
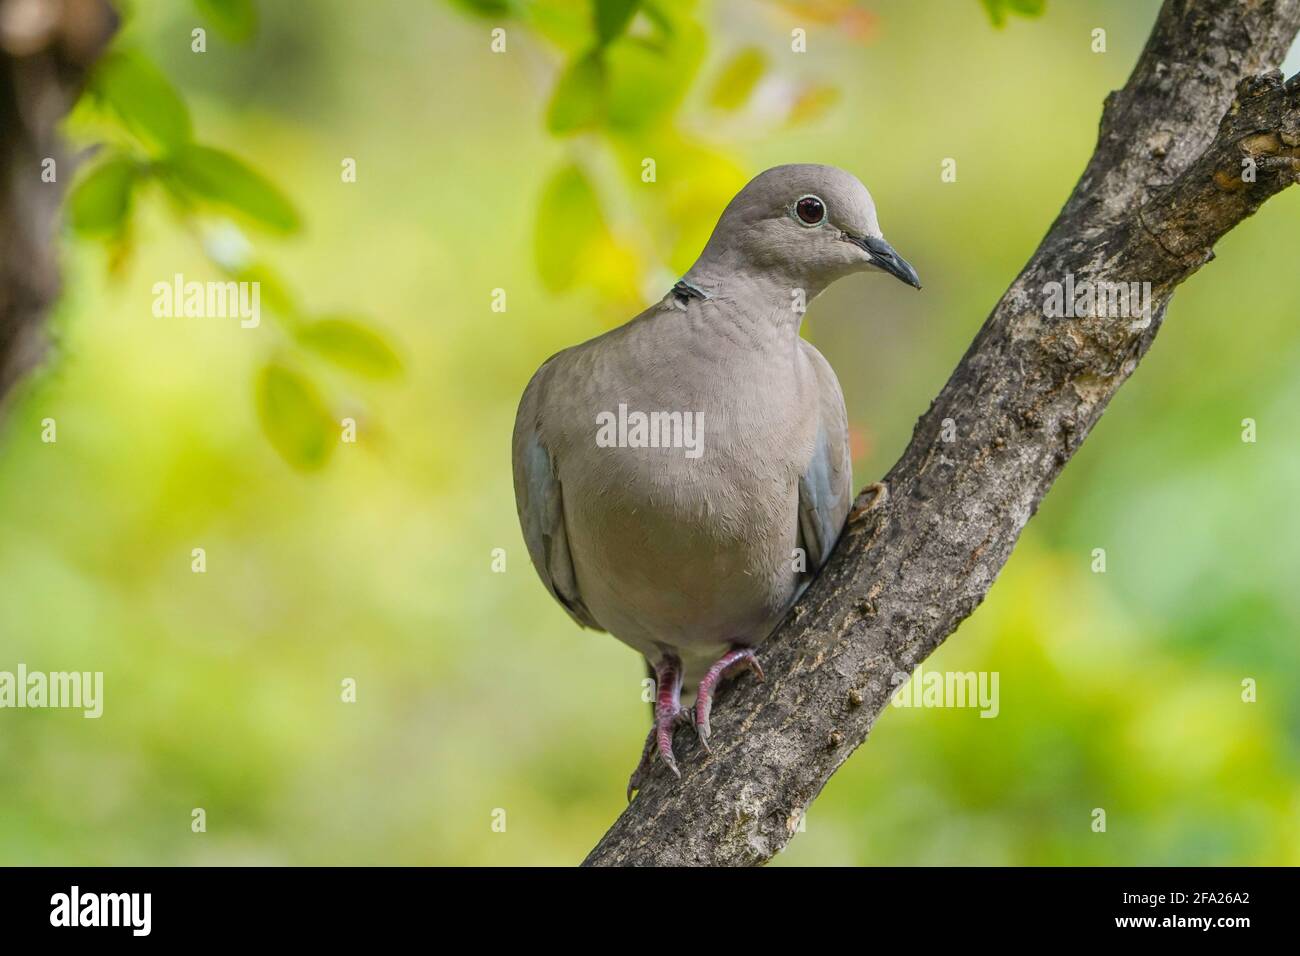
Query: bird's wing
pixel 541 505
pixel 825 487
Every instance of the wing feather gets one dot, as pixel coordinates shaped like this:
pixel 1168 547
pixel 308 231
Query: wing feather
pixel 540 502
pixel 826 485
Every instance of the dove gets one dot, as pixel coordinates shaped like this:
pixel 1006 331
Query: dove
pixel 680 479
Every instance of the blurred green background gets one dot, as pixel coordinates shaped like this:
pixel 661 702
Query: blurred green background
pixel 475 692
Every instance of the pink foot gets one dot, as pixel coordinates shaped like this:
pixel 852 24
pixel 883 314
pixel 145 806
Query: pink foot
pixel 736 659
pixel 668 714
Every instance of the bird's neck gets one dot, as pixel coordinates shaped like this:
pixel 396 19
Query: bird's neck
pixel 747 295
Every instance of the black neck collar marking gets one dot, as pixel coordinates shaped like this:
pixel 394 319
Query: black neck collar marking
pixel 683 291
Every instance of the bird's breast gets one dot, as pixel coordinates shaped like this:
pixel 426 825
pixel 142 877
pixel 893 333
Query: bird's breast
pixel 682 516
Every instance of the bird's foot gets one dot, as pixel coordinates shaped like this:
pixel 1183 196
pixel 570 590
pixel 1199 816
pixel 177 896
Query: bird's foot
pixel 668 714
pixel 736 659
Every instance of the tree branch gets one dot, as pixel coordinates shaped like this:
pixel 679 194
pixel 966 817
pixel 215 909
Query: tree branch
pixel 45 51
pixel 1164 184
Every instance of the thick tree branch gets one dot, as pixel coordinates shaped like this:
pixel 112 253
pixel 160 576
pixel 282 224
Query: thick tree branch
pixel 46 49
pixel 1164 184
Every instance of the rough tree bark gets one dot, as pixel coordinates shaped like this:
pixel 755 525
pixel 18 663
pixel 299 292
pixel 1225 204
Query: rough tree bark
pixel 46 48
pixel 1164 184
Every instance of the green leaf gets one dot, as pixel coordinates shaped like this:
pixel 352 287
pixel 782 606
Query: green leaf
pixel 293 417
pixel 659 17
pixel 234 19
pixel 486 8
pixel 647 79
pixel 738 78
pixel 99 202
pixel 351 345
pixel 998 9
pixel 568 222
pixel 275 294
pixel 612 18
pixel 579 98
pixel 219 177
pixel 145 100
pixel 565 23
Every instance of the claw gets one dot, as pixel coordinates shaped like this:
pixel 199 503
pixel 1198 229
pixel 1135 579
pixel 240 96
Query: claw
pixel 668 705
pixel 736 659
pixel 668 713
pixel 642 770
pixel 665 735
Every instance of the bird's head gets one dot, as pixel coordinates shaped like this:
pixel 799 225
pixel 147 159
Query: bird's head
pixel 803 224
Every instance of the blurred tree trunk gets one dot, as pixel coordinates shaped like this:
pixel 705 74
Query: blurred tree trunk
pixel 1195 142
pixel 46 50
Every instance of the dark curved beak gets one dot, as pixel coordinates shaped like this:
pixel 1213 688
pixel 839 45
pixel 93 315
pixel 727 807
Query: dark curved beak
pixel 884 257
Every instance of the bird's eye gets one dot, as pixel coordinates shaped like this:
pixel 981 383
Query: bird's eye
pixel 811 210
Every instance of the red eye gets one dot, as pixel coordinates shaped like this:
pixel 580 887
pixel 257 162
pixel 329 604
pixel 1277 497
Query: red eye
pixel 810 210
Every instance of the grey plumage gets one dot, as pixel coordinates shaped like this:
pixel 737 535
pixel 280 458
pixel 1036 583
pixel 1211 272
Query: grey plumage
pixel 685 557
